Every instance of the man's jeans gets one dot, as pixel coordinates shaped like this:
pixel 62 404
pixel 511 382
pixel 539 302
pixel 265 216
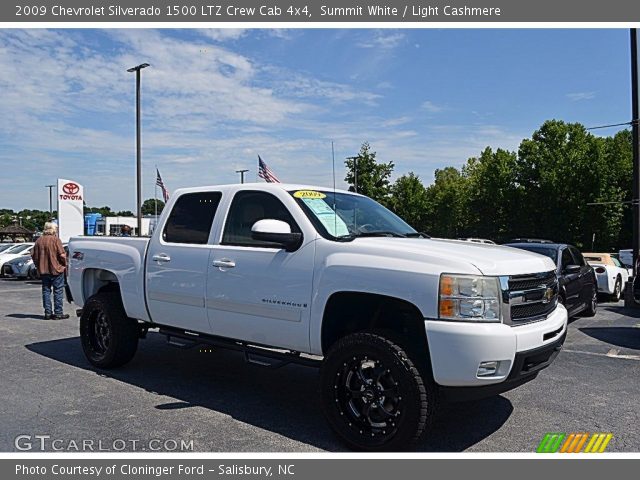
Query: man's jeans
pixel 57 283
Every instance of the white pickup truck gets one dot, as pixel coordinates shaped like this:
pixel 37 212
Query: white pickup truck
pixel 396 321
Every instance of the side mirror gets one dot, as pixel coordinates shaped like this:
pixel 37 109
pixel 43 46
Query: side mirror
pixel 276 231
pixel 572 269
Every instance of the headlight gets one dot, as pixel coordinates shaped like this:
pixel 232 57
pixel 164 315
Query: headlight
pixel 20 264
pixel 469 298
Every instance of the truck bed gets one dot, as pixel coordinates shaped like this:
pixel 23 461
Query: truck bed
pixel 122 255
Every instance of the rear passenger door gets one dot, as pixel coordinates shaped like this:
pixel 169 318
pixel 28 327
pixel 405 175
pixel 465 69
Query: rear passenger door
pixel 177 260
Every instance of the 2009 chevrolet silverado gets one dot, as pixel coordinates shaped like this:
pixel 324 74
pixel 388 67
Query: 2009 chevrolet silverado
pixel 395 320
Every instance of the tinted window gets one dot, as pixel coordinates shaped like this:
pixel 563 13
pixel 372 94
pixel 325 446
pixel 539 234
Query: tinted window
pixel 19 249
pixel 578 256
pixel 191 218
pixel 552 253
pixel 246 209
pixel 616 262
pixel 567 259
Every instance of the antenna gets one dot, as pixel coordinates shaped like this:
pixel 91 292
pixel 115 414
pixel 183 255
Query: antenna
pixel 335 211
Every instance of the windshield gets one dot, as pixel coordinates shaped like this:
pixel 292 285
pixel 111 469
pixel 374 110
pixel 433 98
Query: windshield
pixel 552 253
pixel 5 247
pixel 19 248
pixel 345 216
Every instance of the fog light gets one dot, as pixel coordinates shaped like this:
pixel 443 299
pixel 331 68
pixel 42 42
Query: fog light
pixel 486 369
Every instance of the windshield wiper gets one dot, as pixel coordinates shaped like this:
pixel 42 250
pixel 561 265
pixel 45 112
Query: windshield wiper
pixel 375 233
pixel 381 233
pixel 417 235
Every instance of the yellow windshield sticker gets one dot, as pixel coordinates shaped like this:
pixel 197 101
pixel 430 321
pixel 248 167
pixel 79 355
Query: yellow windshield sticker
pixel 308 194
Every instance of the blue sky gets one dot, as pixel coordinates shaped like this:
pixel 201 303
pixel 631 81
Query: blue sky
pixel 214 99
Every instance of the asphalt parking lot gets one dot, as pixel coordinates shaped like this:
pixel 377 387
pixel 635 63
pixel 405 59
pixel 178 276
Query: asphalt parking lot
pixel 171 399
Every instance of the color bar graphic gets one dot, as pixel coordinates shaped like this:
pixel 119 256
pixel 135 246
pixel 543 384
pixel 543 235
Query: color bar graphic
pixel 574 443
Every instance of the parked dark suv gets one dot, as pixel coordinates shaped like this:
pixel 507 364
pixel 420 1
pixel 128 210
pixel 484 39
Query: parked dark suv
pixel 576 278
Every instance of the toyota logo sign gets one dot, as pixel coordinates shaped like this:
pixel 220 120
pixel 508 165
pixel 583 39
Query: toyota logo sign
pixel 70 188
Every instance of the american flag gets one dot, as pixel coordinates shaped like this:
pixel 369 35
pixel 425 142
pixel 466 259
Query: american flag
pixel 266 173
pixel 160 183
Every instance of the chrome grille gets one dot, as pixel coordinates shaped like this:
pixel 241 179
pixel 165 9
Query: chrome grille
pixel 525 311
pixel 529 298
pixel 524 282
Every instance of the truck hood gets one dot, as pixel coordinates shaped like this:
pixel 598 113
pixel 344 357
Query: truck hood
pixel 488 259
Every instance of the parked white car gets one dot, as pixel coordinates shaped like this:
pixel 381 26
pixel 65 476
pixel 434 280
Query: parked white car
pixel 611 274
pixel 14 252
pixel 21 268
pixel 396 321
pixel 5 246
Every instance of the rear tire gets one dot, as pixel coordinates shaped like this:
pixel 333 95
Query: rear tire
pixel 109 338
pixel 373 395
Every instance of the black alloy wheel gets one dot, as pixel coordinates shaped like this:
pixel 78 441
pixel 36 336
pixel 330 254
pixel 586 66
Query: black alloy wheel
pixel 109 338
pixel 373 396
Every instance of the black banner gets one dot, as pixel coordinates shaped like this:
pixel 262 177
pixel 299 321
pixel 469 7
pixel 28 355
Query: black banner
pixel 304 11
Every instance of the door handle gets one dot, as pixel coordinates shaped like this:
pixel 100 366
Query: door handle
pixel 224 263
pixel 161 257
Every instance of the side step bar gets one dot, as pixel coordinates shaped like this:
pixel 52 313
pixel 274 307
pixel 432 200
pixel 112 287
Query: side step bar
pixel 256 355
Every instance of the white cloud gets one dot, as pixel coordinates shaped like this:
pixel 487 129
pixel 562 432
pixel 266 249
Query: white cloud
pixel 578 96
pixel 281 33
pixel 431 107
pixel 223 34
pixel 305 87
pixel 383 39
pixel 394 122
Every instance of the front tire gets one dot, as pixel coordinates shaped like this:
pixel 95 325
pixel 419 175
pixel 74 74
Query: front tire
pixel 592 307
pixel 617 290
pixel 373 396
pixel 109 338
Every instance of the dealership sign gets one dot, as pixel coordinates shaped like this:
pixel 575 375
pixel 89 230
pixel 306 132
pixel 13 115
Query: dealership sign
pixel 70 209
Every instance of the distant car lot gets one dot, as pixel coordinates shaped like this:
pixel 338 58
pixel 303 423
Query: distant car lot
pixel 222 404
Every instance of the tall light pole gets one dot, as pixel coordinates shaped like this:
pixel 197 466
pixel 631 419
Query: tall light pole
pixel 635 112
pixel 138 158
pixel 242 172
pixel 50 187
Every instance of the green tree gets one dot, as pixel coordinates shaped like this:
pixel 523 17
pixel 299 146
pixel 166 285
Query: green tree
pixel 447 200
pixel 409 200
pixel 6 217
pixel 33 219
pixel 492 193
pixel 559 171
pixel 125 213
pixel 373 178
pixel 104 211
pixel 149 206
pixel 615 226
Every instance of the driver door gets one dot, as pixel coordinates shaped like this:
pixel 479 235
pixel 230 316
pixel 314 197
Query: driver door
pixel 257 291
pixel 572 281
pixel 585 276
